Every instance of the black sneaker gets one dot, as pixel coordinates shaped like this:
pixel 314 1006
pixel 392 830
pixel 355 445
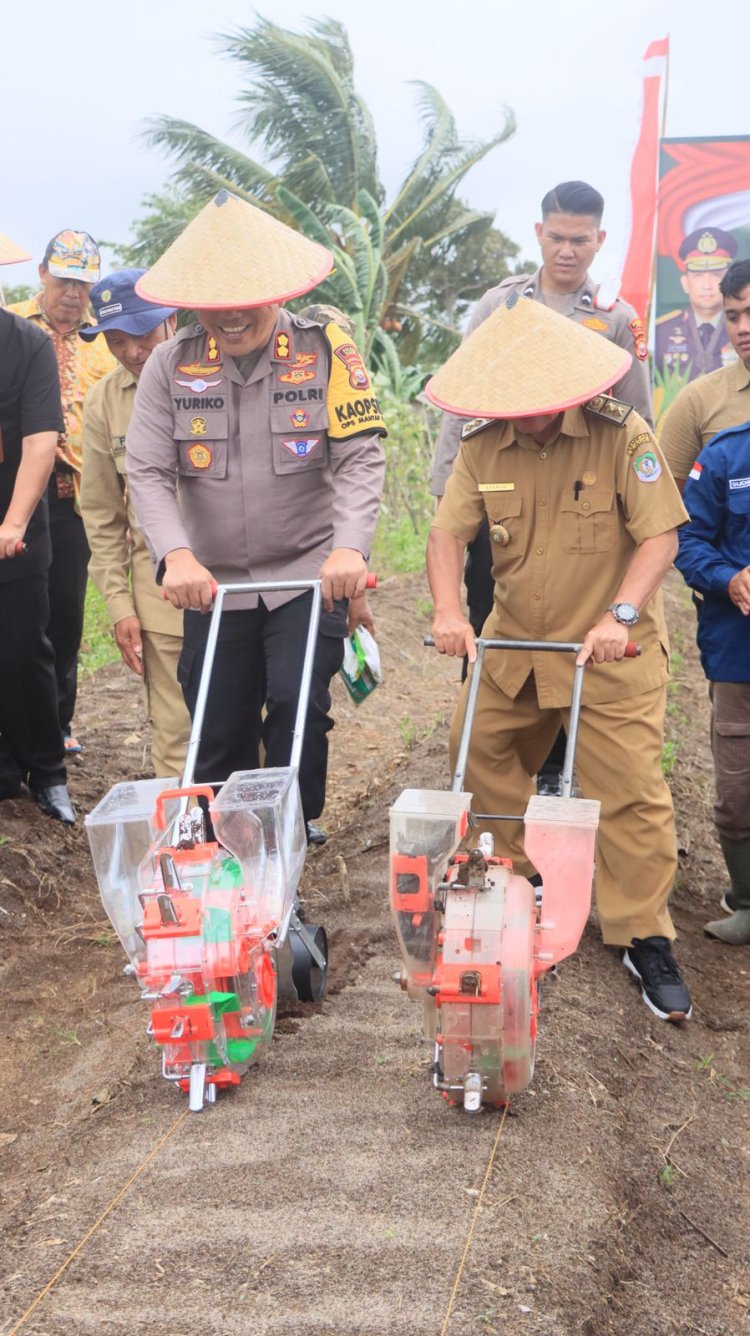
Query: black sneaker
pixel 728 901
pixel 650 959
pixel 315 834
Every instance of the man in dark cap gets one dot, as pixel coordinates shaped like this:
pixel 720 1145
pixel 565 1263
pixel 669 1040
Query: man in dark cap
pixel 694 341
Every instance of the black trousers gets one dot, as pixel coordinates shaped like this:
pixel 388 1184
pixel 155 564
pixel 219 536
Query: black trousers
pixel 480 592
pixel 259 657
pixel 31 746
pixel 68 576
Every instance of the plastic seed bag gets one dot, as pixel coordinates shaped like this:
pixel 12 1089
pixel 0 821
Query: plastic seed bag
pixel 360 672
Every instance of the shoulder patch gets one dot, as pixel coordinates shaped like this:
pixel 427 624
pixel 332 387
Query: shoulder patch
pixel 669 316
pixel 640 346
pixel 643 438
pixel 352 405
pixel 612 410
pixel 473 426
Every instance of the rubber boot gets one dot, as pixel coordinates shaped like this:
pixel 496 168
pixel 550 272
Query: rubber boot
pixel 735 930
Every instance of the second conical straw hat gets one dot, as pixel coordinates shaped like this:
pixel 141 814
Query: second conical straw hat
pixel 234 255
pixel 524 360
pixel 10 253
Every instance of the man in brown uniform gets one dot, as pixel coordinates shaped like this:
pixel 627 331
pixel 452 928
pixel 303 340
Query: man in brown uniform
pixel 272 428
pixel 585 514
pixel 148 630
pixel 721 399
pixel 570 236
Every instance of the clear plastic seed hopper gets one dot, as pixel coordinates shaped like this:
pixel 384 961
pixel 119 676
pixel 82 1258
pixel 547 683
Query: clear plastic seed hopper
pixel 474 939
pixel 209 917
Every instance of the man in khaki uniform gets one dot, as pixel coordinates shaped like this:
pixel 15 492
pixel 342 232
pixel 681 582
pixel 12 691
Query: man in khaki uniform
pixel 271 425
pixel 721 399
pixel 148 630
pixel 583 515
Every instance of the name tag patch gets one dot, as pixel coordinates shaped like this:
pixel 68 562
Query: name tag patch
pixel 737 484
pixel 497 487
pixel 301 449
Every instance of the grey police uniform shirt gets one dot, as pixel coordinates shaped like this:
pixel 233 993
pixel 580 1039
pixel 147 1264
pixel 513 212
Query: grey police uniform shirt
pixel 620 325
pixel 270 481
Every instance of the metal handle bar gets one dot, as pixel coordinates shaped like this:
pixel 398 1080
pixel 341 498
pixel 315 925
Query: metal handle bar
pixel 254 587
pixel 258 587
pixel 555 646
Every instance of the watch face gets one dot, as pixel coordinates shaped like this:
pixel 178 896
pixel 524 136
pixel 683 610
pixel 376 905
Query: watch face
pixel 626 613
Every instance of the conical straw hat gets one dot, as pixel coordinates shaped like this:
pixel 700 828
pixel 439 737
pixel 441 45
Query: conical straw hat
pixel 234 255
pixel 525 360
pixel 10 253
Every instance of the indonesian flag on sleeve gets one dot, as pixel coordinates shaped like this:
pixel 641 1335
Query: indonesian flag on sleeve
pixel 696 471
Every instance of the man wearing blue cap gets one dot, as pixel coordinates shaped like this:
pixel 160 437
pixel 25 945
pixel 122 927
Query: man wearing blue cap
pixel 148 631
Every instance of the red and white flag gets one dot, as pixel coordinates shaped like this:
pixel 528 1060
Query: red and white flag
pixel 638 270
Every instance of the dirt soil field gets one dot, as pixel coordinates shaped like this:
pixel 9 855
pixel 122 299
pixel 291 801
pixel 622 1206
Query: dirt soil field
pixel 334 1193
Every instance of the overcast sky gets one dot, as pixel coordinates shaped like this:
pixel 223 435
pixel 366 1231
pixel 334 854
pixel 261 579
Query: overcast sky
pixel 77 83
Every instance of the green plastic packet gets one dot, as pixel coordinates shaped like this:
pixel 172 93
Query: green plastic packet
pixel 360 672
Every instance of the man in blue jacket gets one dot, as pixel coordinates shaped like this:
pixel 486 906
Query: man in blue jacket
pixel 714 558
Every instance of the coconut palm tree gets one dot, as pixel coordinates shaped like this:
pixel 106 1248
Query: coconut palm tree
pixel 300 108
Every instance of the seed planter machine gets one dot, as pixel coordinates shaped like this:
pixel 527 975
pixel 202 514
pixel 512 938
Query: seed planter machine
pixel 475 940
pixel 208 912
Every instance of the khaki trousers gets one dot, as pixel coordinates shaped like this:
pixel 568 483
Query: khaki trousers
pixel 167 712
pixel 618 761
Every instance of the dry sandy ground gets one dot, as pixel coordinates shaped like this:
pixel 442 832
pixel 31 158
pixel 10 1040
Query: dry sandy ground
pixel 334 1193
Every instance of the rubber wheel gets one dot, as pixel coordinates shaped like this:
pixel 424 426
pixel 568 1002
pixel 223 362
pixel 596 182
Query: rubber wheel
pixel 309 978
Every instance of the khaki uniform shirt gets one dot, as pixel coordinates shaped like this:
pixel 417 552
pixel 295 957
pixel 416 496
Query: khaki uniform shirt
pixel 274 471
pixel 705 406
pixel 118 549
pixel 80 365
pixel 621 325
pixel 575 510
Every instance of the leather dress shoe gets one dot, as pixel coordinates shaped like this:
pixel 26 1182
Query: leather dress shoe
pixel 55 801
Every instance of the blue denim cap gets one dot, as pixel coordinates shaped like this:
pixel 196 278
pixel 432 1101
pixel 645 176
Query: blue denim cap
pixel 117 306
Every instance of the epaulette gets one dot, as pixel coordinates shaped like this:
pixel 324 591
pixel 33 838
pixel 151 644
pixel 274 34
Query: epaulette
pixel 669 316
pixel 607 295
pixel 612 410
pixel 476 424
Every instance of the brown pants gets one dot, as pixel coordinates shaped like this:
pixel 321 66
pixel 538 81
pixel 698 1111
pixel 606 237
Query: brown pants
pixel 730 744
pixel 167 712
pixel 618 761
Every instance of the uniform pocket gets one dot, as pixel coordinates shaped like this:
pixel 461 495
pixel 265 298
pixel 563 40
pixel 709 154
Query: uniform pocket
pixel 202 443
pixel 588 523
pixel 506 521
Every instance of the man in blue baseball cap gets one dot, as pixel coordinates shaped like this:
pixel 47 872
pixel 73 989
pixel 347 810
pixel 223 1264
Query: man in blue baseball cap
pixel 148 631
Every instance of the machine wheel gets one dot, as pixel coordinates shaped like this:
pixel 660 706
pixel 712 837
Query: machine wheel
pixel 308 976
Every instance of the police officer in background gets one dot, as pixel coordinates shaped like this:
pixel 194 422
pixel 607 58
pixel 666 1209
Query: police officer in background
pixel 570 236
pixel 31 744
pixel 272 428
pixel 695 341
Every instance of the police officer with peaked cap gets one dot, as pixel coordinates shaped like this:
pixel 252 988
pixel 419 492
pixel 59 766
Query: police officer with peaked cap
pixel 694 341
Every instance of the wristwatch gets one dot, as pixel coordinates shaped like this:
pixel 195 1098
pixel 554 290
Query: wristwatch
pixel 624 613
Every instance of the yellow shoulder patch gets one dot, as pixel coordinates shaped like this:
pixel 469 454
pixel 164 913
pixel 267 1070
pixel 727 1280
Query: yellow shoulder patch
pixel 352 405
pixel 612 410
pixel 638 442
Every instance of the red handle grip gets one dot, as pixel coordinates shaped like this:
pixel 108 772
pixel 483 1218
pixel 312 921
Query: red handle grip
pixel 21 548
pixel 190 791
pixel 372 581
pixel 632 651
